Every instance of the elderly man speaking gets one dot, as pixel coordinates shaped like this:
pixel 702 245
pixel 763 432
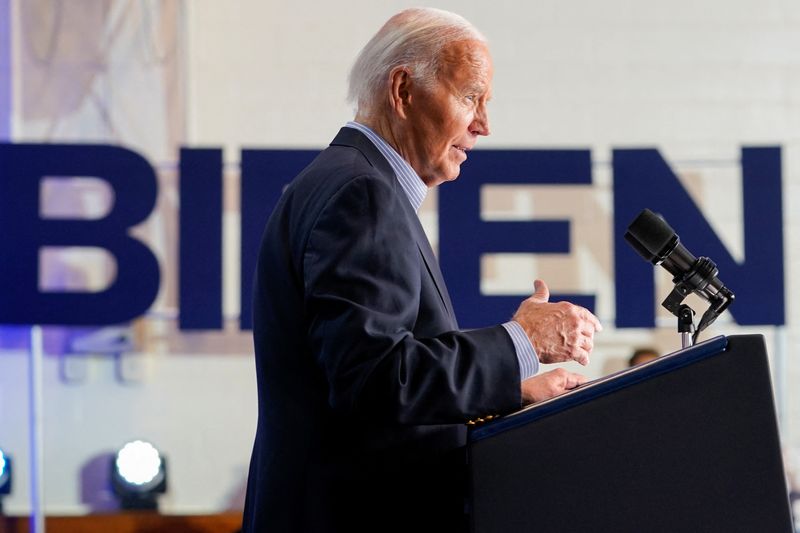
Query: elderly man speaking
pixel 365 380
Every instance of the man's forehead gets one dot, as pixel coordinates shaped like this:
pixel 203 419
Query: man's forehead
pixel 466 51
pixel 469 57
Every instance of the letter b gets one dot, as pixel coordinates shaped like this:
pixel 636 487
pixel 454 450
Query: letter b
pixel 23 232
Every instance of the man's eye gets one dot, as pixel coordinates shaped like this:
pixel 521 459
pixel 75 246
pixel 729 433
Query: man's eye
pixel 471 97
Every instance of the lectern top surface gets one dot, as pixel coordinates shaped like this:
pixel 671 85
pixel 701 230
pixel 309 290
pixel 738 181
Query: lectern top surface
pixel 601 386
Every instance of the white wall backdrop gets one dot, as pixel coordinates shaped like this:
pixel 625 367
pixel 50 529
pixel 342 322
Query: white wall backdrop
pixel 695 79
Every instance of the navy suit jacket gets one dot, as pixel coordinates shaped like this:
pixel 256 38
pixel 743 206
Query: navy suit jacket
pixel 364 379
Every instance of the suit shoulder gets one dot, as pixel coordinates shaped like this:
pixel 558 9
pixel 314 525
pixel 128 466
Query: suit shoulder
pixel 337 164
pixel 337 174
pixel 336 169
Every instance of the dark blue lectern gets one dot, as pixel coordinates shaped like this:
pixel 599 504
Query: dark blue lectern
pixel 688 442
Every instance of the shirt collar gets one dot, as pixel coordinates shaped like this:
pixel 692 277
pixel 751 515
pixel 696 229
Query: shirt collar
pixel 413 186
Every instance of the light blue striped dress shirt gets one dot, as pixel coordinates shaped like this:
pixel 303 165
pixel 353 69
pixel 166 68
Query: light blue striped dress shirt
pixel 416 190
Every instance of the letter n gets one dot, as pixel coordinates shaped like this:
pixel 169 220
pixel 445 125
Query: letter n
pixel 643 179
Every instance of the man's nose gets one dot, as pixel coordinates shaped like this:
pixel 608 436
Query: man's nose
pixel 480 124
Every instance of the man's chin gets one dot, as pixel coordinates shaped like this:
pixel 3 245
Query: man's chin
pixel 450 175
pixel 454 173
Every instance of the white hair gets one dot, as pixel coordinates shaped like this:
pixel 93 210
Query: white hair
pixel 413 38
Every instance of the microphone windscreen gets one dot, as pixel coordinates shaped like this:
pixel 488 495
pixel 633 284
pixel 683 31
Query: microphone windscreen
pixel 651 233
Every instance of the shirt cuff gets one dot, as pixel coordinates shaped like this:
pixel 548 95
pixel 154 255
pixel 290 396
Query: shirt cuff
pixel 526 355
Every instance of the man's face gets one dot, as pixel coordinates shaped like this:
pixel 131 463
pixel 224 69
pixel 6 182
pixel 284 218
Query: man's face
pixel 444 122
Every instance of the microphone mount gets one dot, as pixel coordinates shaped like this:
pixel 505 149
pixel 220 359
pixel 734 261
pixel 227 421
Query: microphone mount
pixel 697 280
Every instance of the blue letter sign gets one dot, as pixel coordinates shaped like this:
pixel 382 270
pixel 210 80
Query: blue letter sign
pixel 641 179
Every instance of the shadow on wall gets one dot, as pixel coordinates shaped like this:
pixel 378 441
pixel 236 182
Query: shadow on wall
pixel 96 484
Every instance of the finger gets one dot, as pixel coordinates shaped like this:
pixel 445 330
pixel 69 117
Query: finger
pixel 576 380
pixel 587 343
pixel 587 330
pixel 581 356
pixel 596 321
pixel 591 319
pixel 541 292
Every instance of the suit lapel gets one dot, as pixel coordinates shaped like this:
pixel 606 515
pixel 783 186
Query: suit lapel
pixel 435 272
pixel 355 139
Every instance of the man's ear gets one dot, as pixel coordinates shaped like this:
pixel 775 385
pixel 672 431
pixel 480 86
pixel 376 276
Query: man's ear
pixel 400 90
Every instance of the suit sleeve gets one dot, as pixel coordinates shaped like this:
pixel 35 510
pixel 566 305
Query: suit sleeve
pixel 362 274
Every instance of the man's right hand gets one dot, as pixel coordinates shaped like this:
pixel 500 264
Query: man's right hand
pixel 560 331
pixel 549 384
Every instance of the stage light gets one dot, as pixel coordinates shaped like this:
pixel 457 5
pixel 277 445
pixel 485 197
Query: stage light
pixel 138 475
pixel 5 477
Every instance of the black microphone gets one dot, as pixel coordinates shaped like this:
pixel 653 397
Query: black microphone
pixel 654 239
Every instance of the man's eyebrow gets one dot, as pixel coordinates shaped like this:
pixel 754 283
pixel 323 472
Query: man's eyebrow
pixel 476 86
